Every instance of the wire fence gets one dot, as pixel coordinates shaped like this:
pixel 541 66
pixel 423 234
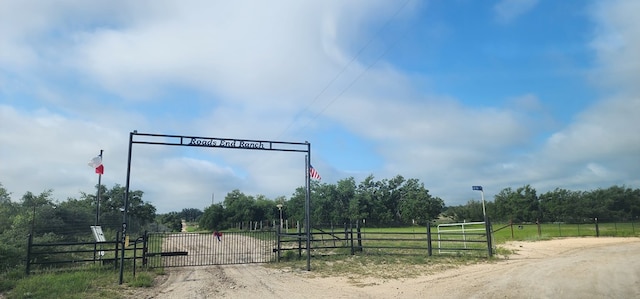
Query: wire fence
pixel 527 231
pixel 351 240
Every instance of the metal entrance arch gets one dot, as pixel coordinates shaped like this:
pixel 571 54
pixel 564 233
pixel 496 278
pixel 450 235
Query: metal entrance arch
pixel 215 142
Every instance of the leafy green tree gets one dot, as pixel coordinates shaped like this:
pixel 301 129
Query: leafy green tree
pixel 471 211
pixel 296 204
pixel 191 214
pixel 265 209
pixel 562 205
pixel 11 252
pixel 172 220
pixel 387 197
pixel 8 209
pixel 362 206
pixel 597 203
pixel 322 206
pixel 623 203
pixel 417 204
pixel 344 195
pixel 214 218
pixel 239 207
pixel 139 213
pixel 520 205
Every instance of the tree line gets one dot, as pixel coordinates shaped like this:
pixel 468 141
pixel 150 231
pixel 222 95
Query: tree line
pixel 387 202
pixel 50 221
pixel 395 201
pixel 616 203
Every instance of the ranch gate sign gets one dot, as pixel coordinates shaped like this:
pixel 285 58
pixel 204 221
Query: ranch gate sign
pixel 214 142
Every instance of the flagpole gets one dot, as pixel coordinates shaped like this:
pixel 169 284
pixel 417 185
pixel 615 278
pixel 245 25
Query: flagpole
pixel 307 208
pixel 98 194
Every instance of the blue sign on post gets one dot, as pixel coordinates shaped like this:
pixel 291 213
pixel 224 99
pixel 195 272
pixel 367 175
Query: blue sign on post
pixel 477 188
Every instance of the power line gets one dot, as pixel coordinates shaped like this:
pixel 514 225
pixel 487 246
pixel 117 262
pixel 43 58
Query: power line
pixel 366 45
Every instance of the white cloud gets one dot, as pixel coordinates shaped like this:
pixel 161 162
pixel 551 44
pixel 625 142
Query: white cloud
pixel 508 10
pixel 601 132
pixel 240 50
pixel 617 44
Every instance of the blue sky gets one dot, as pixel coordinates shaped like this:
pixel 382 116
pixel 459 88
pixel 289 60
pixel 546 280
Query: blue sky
pixel 455 93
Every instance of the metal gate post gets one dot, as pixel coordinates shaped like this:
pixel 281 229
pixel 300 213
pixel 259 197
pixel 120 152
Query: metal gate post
pixel 487 225
pixel 429 247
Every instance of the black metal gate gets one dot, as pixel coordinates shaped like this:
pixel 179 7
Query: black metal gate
pixel 203 249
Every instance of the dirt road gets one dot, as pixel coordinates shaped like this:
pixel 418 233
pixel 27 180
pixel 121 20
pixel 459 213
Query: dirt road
pixel 562 268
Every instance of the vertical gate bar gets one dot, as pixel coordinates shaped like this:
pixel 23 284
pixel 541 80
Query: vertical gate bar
pixel 278 248
pixel 223 249
pixel 190 247
pixel 182 261
pixel 202 249
pixel 216 250
pixel 235 250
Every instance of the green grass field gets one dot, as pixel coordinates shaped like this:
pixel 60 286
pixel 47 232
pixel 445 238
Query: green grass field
pixel 506 232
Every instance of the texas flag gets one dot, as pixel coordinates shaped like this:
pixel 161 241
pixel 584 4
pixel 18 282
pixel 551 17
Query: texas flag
pixel 97 164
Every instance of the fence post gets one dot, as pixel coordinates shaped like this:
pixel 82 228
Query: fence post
pixel 351 238
pixel 278 241
pixel 487 226
pixel 145 248
pixel 597 228
pixel 95 251
pixel 299 241
pixel 29 242
pixel 359 236
pixel 429 248
pixel 560 230
pixel 511 225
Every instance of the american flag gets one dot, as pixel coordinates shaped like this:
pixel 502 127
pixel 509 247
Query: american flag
pixel 313 173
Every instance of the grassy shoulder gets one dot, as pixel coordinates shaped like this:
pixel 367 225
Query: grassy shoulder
pixel 378 265
pixel 87 282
